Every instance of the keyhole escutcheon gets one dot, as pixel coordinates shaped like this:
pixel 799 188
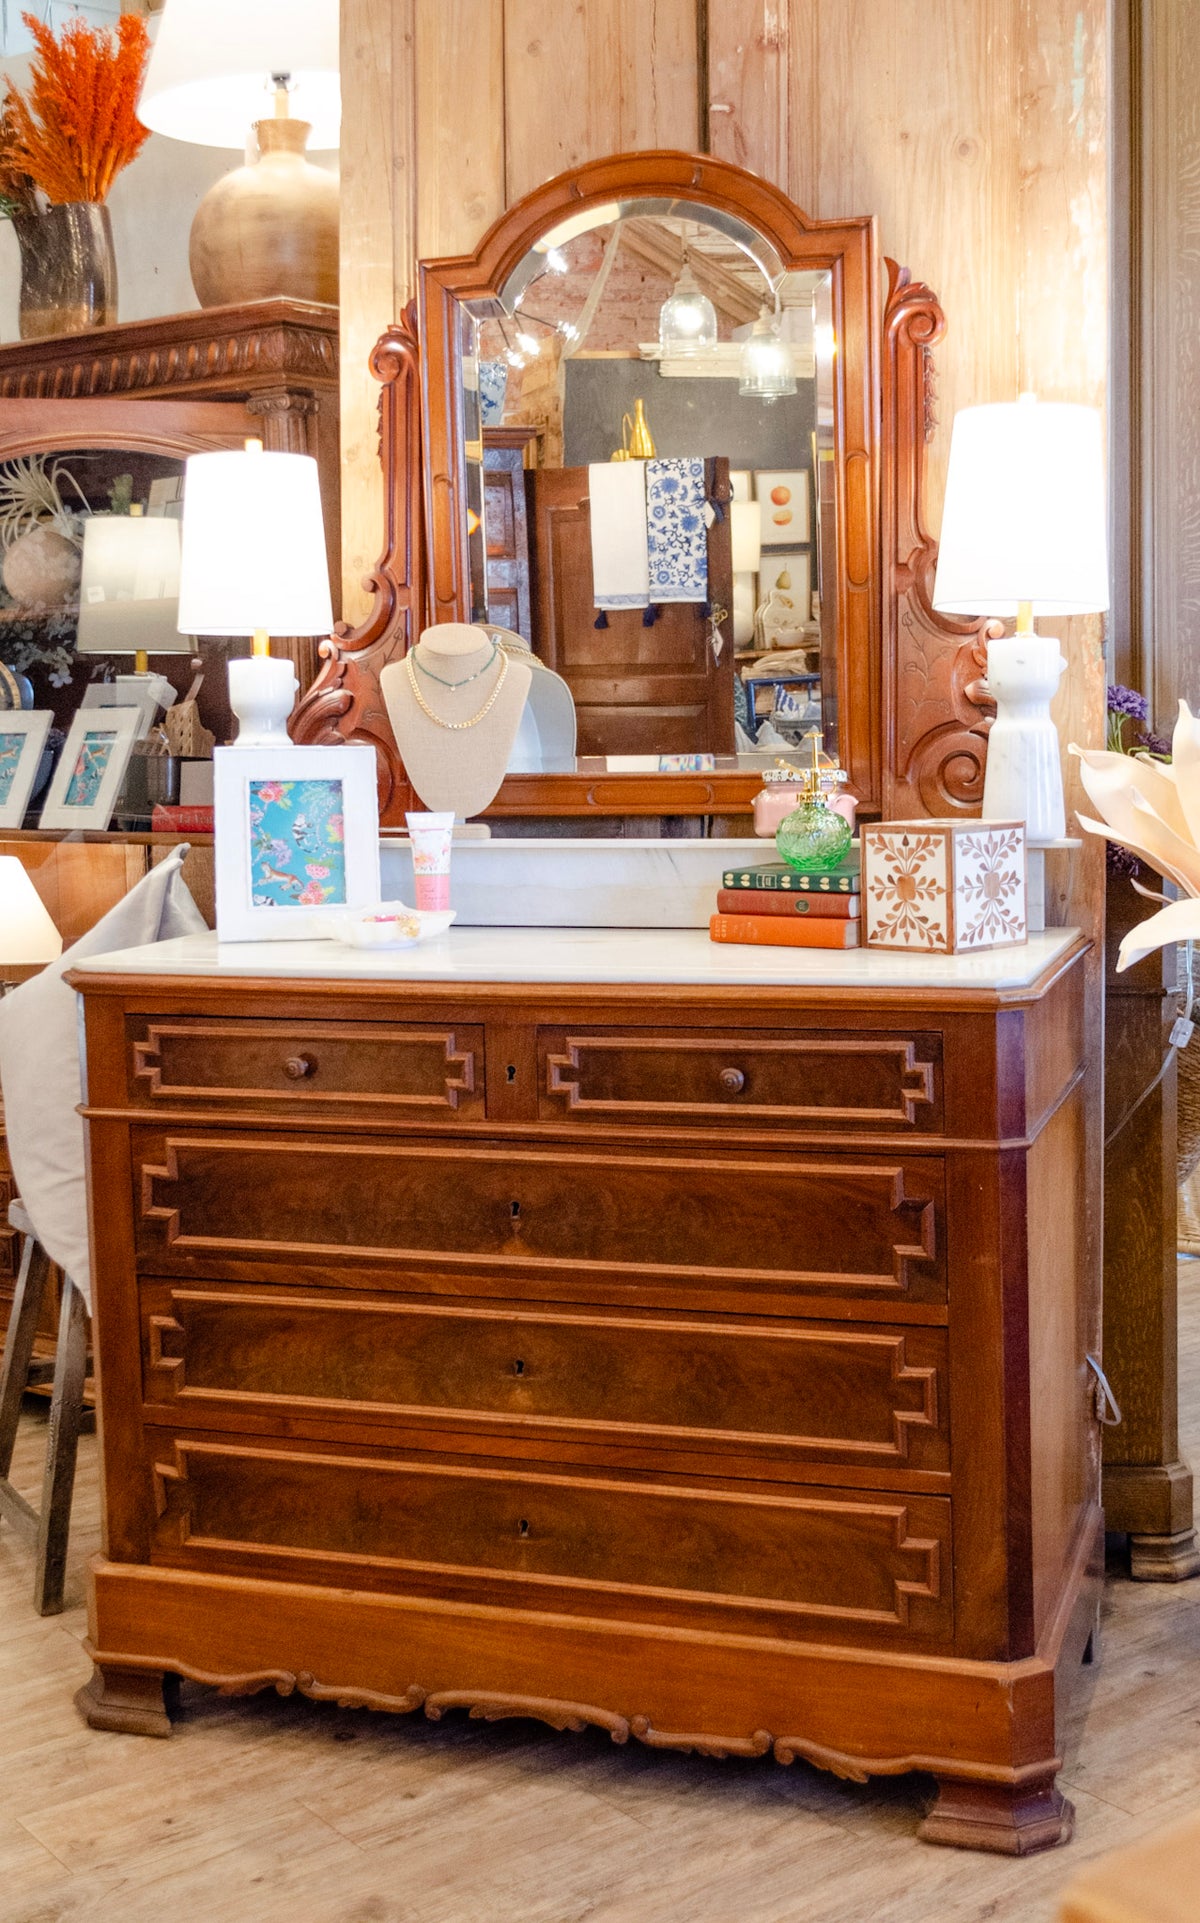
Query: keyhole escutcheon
pixel 518 1367
pixel 522 1528
pixel 511 1072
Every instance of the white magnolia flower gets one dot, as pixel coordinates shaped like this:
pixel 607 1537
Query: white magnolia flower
pixel 1153 809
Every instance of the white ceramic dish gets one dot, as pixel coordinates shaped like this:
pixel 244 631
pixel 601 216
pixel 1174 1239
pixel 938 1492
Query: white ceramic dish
pixel 387 925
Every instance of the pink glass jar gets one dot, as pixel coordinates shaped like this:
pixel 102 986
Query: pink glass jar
pixel 782 791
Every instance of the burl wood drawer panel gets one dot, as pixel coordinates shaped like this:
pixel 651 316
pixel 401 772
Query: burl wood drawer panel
pixel 785 1078
pixel 820 1558
pixel 852 1393
pixel 408 1069
pixel 871 1225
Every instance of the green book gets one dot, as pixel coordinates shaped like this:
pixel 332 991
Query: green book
pixel 845 879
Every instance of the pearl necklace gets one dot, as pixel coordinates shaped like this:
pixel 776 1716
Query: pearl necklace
pixel 457 726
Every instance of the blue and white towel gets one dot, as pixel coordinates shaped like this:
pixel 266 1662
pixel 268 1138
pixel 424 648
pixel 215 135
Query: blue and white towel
pixel 677 518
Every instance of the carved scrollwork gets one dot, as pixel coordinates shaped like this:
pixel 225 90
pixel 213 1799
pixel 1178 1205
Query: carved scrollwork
pixel 757 1744
pixel 936 712
pixel 788 1749
pixel 344 703
pixel 494 1706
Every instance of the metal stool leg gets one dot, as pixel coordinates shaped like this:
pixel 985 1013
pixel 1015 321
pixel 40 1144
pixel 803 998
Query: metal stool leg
pixel 66 1409
pixel 18 1353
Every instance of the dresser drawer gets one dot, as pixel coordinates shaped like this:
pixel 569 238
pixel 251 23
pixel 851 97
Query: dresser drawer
pixel 813 1392
pixel 821 1561
pixel 868 1226
pixel 744 1078
pixel 409 1069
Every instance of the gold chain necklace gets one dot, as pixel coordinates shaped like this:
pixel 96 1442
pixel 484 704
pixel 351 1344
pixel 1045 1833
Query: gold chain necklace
pixel 457 726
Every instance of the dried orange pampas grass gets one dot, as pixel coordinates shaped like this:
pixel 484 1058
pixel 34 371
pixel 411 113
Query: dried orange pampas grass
pixel 79 125
pixel 16 188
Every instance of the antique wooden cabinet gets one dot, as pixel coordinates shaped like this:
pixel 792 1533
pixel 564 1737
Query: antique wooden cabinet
pixel 604 1327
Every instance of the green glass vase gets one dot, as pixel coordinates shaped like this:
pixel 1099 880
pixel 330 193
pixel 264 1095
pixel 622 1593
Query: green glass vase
pixel 813 836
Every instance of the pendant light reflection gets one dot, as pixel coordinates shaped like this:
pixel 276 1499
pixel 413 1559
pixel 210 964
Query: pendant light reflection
pixel 768 370
pixel 687 320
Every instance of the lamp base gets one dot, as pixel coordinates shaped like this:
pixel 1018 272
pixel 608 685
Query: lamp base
pixel 262 694
pixel 1023 778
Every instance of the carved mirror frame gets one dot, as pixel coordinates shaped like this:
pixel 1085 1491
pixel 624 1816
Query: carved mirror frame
pixel 912 716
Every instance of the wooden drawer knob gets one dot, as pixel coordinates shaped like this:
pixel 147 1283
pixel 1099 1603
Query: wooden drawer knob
pixel 732 1081
pixel 297 1067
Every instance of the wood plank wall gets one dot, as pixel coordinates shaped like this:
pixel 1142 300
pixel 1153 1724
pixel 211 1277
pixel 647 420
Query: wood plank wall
pixel 1157 222
pixel 975 130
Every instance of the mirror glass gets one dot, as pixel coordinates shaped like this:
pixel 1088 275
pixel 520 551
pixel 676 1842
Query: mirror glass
pixel 89 570
pixel 681 603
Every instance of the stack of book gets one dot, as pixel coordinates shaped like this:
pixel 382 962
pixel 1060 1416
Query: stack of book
pixel 781 907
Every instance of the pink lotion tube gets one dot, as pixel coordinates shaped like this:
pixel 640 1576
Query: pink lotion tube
pixel 431 836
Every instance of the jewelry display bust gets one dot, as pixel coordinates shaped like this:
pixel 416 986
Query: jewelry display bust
pixel 455 704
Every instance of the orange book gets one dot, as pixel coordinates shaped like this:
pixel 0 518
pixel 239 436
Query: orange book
pixel 770 931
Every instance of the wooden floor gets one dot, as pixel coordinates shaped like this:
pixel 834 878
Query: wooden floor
pixel 269 1811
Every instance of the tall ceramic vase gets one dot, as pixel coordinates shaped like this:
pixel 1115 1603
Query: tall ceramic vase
pixel 270 227
pixel 68 270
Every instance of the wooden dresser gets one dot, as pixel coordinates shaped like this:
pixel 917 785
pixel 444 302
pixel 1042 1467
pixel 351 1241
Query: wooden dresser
pixel 610 1328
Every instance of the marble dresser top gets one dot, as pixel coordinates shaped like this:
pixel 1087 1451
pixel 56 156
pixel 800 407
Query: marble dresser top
pixel 666 955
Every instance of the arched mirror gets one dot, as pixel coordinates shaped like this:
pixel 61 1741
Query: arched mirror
pixel 683 312
pixel 505 396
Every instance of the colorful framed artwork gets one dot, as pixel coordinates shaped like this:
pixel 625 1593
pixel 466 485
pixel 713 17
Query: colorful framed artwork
pixel 791 573
pixel 297 840
pixel 22 744
pixel 784 501
pixel 87 782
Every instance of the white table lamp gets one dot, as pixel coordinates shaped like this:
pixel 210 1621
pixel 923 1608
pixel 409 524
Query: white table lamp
pixel 253 563
pixel 129 587
pixel 1023 534
pixel 28 937
pixel 220 70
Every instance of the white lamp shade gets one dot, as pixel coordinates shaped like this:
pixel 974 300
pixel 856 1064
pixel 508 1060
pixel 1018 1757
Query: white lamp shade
pixel 1024 518
pixel 745 519
pixel 27 934
pixel 129 588
pixel 209 75
pixel 253 546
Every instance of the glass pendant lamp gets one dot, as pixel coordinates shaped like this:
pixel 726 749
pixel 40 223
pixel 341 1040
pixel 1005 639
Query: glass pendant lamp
pixel 768 370
pixel 687 321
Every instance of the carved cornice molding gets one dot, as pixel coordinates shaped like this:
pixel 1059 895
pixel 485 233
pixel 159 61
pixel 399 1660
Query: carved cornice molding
pixel 217 351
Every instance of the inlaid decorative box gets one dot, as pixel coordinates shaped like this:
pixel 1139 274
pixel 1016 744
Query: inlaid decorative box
pixel 944 887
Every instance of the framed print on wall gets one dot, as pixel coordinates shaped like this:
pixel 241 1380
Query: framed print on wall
pixel 297 840
pixel 790 573
pixel 91 768
pixel 783 499
pixel 22 743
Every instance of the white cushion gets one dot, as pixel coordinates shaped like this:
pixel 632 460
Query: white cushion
pixel 41 1038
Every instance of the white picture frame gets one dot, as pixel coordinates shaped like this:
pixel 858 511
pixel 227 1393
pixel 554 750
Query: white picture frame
pixel 783 496
pixel 796 563
pixel 23 734
pixel 87 782
pixel 282 874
